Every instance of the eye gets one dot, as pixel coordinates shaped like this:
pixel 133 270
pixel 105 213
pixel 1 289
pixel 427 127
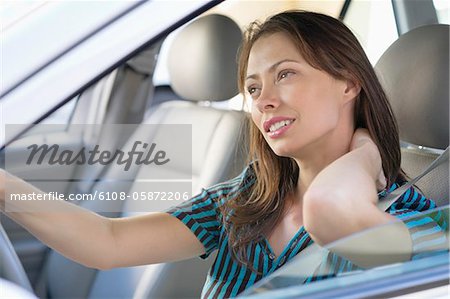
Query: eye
pixel 253 91
pixel 284 74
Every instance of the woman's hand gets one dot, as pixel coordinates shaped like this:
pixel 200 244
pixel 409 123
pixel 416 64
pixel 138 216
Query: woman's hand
pixel 362 137
pixel 342 198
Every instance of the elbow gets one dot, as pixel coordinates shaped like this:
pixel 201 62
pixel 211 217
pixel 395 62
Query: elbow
pixel 103 267
pixel 99 264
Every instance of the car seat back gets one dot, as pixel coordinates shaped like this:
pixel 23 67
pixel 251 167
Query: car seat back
pixel 202 68
pixel 414 72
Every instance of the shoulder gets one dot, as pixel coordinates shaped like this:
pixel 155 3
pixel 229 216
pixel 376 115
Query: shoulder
pixel 214 197
pixel 232 188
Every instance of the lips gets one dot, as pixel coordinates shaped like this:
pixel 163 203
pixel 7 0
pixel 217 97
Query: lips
pixel 276 123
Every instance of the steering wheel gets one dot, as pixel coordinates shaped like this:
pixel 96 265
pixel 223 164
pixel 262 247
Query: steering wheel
pixel 11 267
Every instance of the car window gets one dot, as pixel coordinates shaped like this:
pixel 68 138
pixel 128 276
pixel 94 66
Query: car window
pixel 442 10
pixel 363 17
pixel 61 116
pixel 13 11
pixel 78 67
pixel 291 278
pixel 242 12
pixel 64 114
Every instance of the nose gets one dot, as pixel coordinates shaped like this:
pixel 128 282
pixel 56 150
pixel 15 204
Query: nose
pixel 268 99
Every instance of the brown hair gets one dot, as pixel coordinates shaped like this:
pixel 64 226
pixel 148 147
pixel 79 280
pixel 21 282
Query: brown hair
pixel 328 45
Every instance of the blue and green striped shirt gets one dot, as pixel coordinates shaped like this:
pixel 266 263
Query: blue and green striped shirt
pixel 228 278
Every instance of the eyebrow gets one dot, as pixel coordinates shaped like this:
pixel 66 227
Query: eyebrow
pixel 272 67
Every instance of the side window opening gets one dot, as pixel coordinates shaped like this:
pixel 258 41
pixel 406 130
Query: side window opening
pixel 64 114
pixel 363 17
pixel 442 10
pixel 61 117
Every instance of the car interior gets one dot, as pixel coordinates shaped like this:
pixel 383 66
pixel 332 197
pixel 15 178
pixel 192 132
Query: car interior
pixel 202 67
pixel 216 156
pixel 423 124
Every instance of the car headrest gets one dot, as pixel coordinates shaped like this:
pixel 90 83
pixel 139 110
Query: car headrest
pixel 202 60
pixel 414 72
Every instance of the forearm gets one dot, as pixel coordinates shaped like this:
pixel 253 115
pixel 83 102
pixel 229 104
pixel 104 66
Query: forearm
pixel 64 227
pixel 96 241
pixel 341 199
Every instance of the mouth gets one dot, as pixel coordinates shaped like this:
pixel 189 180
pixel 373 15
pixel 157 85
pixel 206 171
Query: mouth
pixel 277 125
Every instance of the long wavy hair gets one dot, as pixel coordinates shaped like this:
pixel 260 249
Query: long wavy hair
pixel 328 45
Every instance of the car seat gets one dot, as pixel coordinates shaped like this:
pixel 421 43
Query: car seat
pixel 202 68
pixel 414 72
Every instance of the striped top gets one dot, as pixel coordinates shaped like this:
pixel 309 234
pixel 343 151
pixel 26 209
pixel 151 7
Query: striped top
pixel 227 278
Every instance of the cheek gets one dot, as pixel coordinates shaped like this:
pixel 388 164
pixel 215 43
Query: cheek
pixel 325 117
pixel 320 111
pixel 329 119
pixel 256 118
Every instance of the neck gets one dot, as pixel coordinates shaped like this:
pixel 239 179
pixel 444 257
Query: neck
pixel 310 166
pixel 323 152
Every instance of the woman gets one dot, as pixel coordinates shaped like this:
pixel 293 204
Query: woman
pixel 323 143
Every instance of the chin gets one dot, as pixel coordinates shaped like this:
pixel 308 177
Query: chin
pixel 284 151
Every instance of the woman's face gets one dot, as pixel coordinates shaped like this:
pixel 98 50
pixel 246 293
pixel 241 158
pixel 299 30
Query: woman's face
pixel 297 108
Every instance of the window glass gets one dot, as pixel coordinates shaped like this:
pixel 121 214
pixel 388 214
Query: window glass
pixel 442 10
pixel 292 280
pixel 374 25
pixel 243 13
pixel 14 11
pixel 62 116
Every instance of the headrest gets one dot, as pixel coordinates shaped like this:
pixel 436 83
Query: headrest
pixel 202 60
pixel 414 72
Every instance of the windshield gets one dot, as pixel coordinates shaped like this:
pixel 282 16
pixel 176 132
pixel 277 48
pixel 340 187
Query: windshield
pixel 377 265
pixel 14 12
pixel 67 55
pixel 39 27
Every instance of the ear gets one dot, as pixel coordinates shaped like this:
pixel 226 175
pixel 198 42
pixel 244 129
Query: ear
pixel 352 89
